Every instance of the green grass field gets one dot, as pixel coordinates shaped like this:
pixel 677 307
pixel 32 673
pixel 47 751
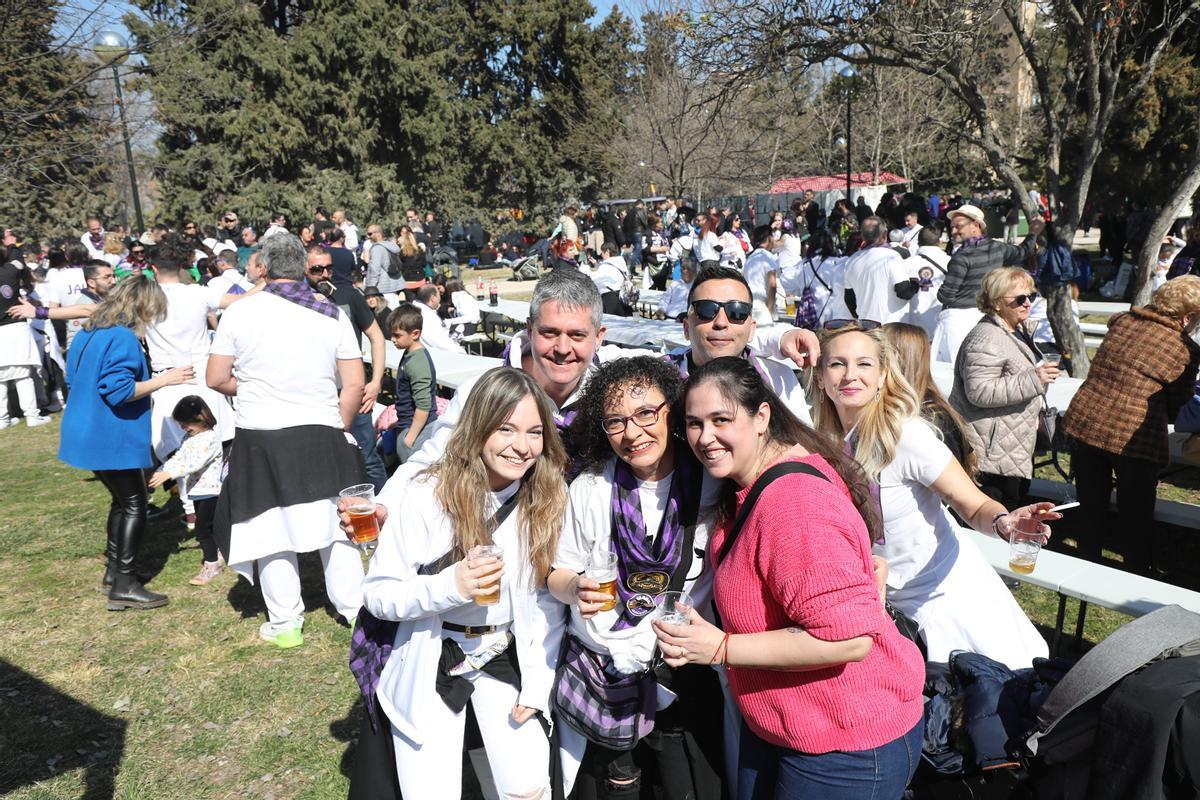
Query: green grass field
pixel 184 701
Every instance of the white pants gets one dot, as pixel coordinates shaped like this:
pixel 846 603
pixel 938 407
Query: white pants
pixel 953 325
pixel 519 755
pixel 279 577
pixel 26 395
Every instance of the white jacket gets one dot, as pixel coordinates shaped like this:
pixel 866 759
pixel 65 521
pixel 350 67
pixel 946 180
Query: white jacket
pixel 393 590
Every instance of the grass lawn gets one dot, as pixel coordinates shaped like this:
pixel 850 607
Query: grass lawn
pixel 184 701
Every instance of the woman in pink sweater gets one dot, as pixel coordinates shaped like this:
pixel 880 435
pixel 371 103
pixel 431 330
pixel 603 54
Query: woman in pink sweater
pixel 829 689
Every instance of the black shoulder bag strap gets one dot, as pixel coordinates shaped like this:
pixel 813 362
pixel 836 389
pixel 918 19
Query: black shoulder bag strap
pixel 760 485
pixel 936 265
pixel 448 558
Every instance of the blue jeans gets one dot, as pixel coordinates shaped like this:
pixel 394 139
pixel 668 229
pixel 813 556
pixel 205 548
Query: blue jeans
pixel 363 432
pixel 770 772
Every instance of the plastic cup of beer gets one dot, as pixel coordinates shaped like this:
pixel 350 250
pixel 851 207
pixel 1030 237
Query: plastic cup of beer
pixel 675 608
pixel 603 570
pixel 1023 550
pixel 360 505
pixel 791 306
pixel 490 551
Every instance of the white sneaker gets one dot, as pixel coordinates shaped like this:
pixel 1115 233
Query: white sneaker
pixel 8 423
pixel 33 422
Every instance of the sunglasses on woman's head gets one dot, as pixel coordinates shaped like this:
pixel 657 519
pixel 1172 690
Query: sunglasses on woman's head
pixel 736 311
pixel 1019 300
pixel 862 324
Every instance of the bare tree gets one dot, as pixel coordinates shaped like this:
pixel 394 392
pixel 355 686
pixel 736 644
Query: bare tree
pixel 1079 63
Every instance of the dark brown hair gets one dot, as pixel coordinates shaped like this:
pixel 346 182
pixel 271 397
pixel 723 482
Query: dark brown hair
pixel 739 382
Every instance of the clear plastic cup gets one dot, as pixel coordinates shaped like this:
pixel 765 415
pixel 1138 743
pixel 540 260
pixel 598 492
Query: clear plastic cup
pixel 675 608
pixel 603 570
pixel 489 551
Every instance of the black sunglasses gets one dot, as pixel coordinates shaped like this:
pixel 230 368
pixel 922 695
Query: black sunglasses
pixel 1019 300
pixel 736 311
pixel 838 324
pixel 318 269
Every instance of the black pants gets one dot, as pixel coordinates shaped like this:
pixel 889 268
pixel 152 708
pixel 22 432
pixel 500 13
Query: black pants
pixel 681 759
pixel 1137 483
pixel 1011 491
pixel 206 508
pixel 126 514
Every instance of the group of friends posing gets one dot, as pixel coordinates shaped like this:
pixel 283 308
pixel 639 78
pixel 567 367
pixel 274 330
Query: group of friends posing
pixel 703 473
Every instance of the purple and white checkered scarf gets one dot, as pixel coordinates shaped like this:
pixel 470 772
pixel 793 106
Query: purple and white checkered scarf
pixel 301 294
pixel 636 552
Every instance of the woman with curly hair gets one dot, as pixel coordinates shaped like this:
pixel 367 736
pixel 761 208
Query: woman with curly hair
pixel 472 626
pixel 943 582
pixel 644 499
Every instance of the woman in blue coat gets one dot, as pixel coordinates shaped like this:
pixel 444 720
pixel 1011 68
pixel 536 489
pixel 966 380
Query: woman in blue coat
pixel 106 425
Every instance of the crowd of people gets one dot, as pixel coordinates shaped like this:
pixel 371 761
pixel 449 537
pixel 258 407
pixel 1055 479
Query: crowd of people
pixel 640 571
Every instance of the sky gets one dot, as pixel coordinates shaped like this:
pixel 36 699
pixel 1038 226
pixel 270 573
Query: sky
pixel 81 19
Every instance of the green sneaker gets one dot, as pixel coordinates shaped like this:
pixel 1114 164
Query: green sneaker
pixel 283 635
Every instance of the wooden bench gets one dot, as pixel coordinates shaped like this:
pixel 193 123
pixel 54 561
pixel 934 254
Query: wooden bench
pixel 1087 582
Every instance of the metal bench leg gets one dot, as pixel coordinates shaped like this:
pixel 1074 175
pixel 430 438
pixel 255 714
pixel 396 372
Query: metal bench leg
pixel 1058 624
pixel 1079 622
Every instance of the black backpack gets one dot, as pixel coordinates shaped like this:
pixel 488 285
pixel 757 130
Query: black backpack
pixel 394 266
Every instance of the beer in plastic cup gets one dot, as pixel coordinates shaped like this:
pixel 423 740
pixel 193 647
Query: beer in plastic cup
pixel 490 551
pixel 791 306
pixel 674 608
pixel 360 505
pixel 1023 550
pixel 603 570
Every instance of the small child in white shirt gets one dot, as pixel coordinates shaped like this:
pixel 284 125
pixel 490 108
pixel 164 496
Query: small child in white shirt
pixel 198 463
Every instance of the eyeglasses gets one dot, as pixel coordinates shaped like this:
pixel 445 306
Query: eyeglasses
pixel 1019 300
pixel 319 269
pixel 838 324
pixel 736 311
pixel 643 418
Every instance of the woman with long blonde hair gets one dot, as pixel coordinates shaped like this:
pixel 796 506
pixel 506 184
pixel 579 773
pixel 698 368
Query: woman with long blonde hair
pixel 106 426
pixel 912 347
pixel 472 625
pixel 939 579
pixel 412 262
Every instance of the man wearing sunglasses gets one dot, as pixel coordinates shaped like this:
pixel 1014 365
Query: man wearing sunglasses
pixel 318 271
pixel 976 255
pixel 719 323
pixel 564 340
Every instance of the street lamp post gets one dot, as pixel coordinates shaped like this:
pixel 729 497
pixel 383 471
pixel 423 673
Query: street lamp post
pixel 111 46
pixel 849 73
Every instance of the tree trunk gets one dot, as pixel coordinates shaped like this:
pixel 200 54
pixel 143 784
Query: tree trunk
pixel 1066 332
pixel 1185 190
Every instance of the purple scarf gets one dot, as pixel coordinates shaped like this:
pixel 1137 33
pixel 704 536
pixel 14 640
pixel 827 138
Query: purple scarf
pixel 681 358
pixel 298 292
pixel 644 565
pixel 370 647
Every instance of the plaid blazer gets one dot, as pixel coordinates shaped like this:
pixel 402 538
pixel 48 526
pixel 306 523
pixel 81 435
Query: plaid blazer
pixel 1142 375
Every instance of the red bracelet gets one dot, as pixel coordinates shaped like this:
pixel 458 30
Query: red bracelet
pixel 724 644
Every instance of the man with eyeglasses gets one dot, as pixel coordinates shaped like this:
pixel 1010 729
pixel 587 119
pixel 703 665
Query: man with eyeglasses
pixel 720 322
pixel 319 273
pixel 975 255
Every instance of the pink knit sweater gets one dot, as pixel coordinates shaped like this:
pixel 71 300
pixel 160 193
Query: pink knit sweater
pixel 803 559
